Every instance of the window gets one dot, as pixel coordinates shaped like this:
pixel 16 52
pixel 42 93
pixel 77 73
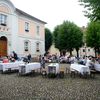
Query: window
pixel 26 45
pixel 37 47
pixel 26 26
pixel 38 30
pixel 3 19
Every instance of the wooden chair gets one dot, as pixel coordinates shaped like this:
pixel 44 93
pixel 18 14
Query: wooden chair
pixel 67 70
pixel 72 73
pixel 61 73
pixel 44 73
pixel 92 73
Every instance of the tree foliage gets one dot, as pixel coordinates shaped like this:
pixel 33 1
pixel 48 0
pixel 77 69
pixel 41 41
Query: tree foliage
pixel 48 39
pixel 93 9
pixel 55 37
pixel 67 36
pixel 93 35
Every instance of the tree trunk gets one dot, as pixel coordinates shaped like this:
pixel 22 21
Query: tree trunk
pixel 77 52
pixel 98 51
pixel 70 52
pixel 95 52
pixel 60 52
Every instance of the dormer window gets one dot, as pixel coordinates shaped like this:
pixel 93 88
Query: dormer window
pixel 3 20
pixel 26 26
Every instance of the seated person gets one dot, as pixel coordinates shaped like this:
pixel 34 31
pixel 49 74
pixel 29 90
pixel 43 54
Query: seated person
pixel 12 59
pixel 90 63
pixel 5 60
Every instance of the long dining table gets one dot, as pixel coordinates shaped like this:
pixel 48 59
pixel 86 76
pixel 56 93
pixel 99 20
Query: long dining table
pixel 80 68
pixel 10 66
pixel 97 66
pixel 29 67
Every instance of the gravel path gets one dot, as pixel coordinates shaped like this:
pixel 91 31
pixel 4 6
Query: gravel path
pixel 14 87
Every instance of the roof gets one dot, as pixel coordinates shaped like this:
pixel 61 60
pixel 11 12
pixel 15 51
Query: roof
pixel 28 15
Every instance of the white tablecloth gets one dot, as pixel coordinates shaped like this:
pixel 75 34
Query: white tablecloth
pixel 54 68
pixel 1 61
pixel 29 67
pixel 80 68
pixel 11 65
pixel 97 67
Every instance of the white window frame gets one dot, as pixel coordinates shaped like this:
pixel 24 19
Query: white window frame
pixel 3 19
pixel 26 26
pixel 37 47
pixel 26 46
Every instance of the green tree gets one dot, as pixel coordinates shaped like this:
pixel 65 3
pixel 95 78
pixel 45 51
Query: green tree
pixel 78 40
pixel 67 36
pixel 93 36
pixel 55 37
pixel 48 39
pixel 92 9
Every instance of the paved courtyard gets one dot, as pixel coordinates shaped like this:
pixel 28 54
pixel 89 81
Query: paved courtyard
pixel 15 87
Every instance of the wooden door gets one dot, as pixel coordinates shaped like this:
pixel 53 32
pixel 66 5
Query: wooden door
pixel 3 47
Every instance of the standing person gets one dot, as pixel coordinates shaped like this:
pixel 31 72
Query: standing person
pixel 29 57
pixel 90 63
pixel 40 57
pixel 15 56
pixel 43 62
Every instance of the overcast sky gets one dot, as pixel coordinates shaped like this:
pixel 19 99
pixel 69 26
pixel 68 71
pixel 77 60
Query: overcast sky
pixel 54 12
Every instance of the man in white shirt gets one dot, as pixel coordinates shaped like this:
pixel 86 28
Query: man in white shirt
pixel 89 63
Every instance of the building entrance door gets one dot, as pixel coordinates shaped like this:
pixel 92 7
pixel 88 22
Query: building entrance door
pixel 3 46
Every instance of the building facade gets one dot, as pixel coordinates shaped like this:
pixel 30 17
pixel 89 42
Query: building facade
pixel 20 32
pixel 83 51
